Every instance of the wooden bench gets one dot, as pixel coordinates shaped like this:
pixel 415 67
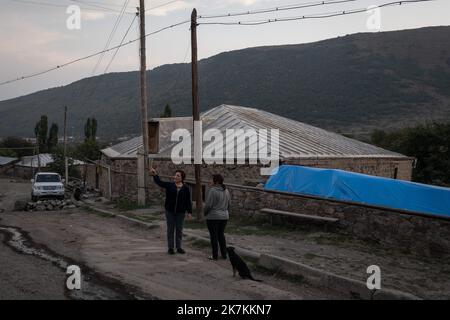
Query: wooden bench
pixel 300 216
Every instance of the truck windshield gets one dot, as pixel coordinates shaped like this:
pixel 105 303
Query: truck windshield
pixel 48 178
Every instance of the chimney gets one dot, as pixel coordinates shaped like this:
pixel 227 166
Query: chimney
pixel 153 136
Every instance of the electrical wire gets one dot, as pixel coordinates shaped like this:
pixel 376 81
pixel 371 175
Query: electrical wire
pixel 97 83
pixel 275 9
pixel 313 16
pixel 111 35
pixel 32 75
pixel 121 42
pixel 47 4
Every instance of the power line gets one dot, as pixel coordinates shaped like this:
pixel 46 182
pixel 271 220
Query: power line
pixel 23 148
pixel 313 16
pixel 47 4
pixel 91 55
pixel 121 42
pixel 316 16
pixel 97 83
pixel 83 88
pixel 93 4
pixel 111 35
pixel 274 9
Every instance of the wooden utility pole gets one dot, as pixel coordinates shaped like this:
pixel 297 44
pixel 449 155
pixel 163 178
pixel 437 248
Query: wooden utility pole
pixel 144 118
pixel 66 167
pixel 196 115
pixel 38 157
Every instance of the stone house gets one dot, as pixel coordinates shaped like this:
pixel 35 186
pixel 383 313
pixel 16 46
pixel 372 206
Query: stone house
pixel 299 144
pixel 7 165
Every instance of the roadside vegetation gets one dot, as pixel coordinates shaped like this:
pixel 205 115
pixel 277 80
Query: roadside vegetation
pixel 428 143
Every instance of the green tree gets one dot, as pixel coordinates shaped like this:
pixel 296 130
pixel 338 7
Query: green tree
pixel 52 140
pixel 58 164
pixel 90 129
pixel 12 147
pixel 167 113
pixel 429 144
pixel 88 150
pixel 40 131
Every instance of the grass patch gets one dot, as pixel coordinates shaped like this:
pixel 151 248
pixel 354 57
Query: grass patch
pixel 98 213
pixel 124 204
pixel 309 256
pixel 294 278
pixel 140 217
pixel 103 215
pixel 194 224
pixel 199 243
pixel 247 227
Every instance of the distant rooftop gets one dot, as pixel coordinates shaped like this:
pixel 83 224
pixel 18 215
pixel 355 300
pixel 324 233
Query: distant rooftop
pixel 45 159
pixel 297 139
pixel 6 160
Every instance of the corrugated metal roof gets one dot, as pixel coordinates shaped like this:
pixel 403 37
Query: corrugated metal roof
pixel 46 159
pixel 129 148
pixel 32 161
pixel 296 139
pixel 6 160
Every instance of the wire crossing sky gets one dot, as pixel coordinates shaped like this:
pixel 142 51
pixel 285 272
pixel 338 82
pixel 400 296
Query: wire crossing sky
pixel 37 38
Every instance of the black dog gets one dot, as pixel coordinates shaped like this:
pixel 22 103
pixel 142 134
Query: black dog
pixel 238 264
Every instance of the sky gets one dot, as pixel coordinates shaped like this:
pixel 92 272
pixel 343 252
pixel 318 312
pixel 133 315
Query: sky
pixel 35 35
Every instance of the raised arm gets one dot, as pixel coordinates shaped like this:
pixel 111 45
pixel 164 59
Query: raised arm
pixel 160 183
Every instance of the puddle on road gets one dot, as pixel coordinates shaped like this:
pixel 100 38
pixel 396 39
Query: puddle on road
pixel 93 285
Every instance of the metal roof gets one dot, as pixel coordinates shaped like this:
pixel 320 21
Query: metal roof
pixel 6 160
pixel 129 148
pixel 296 139
pixel 32 161
pixel 45 158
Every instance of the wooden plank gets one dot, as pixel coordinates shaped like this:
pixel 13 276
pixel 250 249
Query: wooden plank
pixel 299 215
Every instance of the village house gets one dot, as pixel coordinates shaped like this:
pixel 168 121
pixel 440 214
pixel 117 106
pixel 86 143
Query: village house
pixel 7 165
pixel 299 144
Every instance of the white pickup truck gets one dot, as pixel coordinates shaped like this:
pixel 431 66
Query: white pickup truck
pixel 47 184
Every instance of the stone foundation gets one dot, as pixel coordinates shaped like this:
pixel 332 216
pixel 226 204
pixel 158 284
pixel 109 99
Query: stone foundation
pixel 416 233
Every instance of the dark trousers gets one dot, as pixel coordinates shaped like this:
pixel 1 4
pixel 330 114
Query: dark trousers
pixel 174 226
pixel 216 233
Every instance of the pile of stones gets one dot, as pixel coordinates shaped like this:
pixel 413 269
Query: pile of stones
pixel 50 205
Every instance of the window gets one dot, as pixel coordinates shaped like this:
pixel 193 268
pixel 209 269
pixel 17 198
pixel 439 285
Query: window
pixel 48 178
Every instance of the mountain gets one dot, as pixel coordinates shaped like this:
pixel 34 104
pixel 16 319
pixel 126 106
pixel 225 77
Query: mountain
pixel 349 84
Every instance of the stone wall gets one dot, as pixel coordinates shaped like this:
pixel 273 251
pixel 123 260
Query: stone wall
pixel 7 170
pixel 418 234
pixel 124 176
pixel 91 174
pixel 383 167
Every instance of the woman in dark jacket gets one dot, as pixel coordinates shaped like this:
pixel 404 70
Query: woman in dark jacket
pixel 178 203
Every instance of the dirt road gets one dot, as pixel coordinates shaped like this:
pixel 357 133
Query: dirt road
pixel 124 261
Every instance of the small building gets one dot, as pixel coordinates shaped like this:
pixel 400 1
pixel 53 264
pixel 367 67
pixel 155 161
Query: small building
pixel 299 144
pixel 27 167
pixel 7 165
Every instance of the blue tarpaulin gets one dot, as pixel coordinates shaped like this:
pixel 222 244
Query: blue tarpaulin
pixel 361 188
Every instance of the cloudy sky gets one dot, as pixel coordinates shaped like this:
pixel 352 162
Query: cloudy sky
pixel 35 35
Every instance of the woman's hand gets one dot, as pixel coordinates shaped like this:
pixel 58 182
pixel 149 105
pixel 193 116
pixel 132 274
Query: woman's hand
pixel 189 216
pixel 153 172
